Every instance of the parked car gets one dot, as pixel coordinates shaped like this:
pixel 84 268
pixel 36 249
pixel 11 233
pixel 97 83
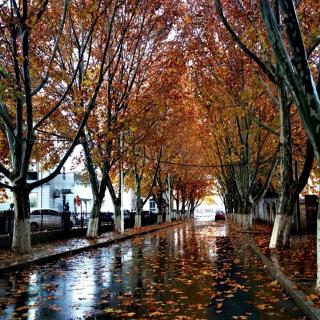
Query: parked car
pixel 107 218
pixel 41 218
pixel 204 215
pixel 220 215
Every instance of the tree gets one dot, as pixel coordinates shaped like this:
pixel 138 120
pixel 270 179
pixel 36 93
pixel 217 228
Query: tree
pixel 294 66
pixel 157 114
pixel 233 99
pixel 144 27
pixel 289 188
pixel 30 42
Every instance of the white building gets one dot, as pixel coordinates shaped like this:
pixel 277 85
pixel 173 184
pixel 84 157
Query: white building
pixel 64 188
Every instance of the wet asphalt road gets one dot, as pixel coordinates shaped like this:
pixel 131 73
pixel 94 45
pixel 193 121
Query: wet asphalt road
pixel 189 271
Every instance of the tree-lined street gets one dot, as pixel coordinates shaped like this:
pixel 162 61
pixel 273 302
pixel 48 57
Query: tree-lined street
pixel 176 103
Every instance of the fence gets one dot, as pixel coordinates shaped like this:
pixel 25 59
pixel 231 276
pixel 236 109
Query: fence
pixel 43 221
pixel 6 222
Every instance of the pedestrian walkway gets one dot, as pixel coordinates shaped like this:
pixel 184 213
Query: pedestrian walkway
pixel 294 268
pixel 44 252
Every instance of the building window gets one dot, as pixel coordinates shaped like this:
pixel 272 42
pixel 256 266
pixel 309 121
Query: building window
pixel 152 205
pixel 33 197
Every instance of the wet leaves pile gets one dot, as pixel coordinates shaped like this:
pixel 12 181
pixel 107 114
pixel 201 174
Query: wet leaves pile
pixel 298 262
pixel 189 271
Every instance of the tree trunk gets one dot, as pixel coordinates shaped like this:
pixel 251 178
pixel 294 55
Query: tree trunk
pixel 246 220
pixel 183 209
pixel 244 217
pixel 178 216
pixel 318 249
pixel 139 204
pixel 21 240
pixel 168 215
pixel 281 231
pixel 92 231
pixel 117 216
pixel 137 219
pixel 192 211
pixel 228 203
pixel 281 228
pixel 187 212
pixel 98 191
pixel 164 213
pixel 160 208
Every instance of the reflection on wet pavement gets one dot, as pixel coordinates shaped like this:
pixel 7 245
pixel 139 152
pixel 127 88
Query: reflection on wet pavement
pixel 189 271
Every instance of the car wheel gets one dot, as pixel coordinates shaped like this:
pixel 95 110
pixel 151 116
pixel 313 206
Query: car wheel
pixel 34 227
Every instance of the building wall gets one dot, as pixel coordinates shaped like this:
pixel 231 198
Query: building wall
pixel 43 196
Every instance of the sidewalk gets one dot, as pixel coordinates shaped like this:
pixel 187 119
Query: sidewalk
pixel 298 262
pixel 44 252
pixel 294 268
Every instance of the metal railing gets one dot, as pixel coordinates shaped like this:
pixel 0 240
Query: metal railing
pixel 6 222
pixel 71 220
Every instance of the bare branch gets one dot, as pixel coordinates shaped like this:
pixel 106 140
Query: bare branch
pixel 264 125
pixel 6 186
pixel 243 47
pixel 154 177
pixel 54 51
pixel 69 86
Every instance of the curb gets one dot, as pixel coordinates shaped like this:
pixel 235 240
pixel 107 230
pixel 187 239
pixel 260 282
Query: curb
pixel 54 256
pixel 298 296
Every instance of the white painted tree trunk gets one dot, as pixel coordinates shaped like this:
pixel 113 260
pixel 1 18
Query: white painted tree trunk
pixel 260 210
pixel 93 225
pixel 275 232
pixel 246 221
pixel 168 217
pixel 159 218
pixel 137 220
pixel 117 223
pixel 318 251
pixel 21 241
pixel 92 231
pixel 280 231
pixel 236 218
